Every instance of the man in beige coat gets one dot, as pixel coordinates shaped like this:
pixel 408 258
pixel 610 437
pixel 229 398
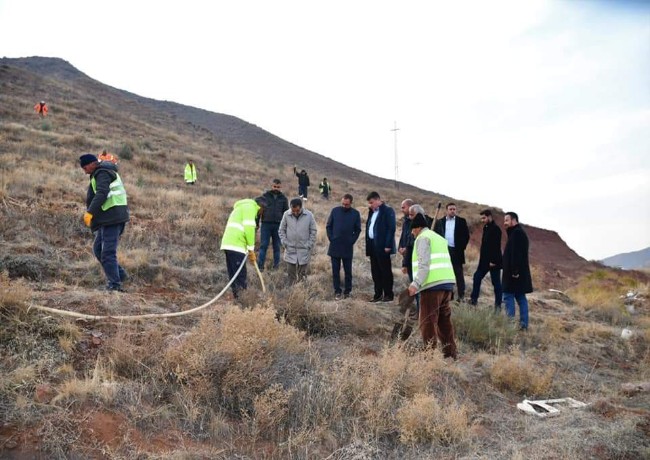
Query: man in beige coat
pixel 298 236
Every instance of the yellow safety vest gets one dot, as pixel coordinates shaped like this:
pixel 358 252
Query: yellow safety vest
pixel 440 269
pixel 116 194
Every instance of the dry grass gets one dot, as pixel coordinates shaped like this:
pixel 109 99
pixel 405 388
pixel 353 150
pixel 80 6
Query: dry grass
pixel 521 375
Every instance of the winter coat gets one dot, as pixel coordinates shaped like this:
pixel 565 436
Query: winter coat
pixel 384 235
pixel 276 205
pixel 303 178
pixel 325 188
pixel 490 247
pixel 343 230
pixel 461 234
pixel 515 262
pixel 298 236
pixel 105 173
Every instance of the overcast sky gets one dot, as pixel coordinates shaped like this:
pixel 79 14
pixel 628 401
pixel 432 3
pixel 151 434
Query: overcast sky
pixel 539 107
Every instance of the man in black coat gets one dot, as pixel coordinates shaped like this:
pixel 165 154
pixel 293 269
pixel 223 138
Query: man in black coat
pixel 380 245
pixel 490 259
pixel 343 230
pixel 517 281
pixel 303 182
pixel 456 232
pixel 106 214
pixel 277 204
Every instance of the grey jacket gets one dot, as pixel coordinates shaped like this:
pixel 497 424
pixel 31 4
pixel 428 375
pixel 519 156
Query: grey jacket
pixel 298 236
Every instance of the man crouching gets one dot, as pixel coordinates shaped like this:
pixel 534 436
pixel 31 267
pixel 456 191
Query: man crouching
pixel 433 279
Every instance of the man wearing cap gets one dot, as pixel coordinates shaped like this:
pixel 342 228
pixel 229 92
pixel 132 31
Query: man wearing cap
pixel 106 214
pixel 433 279
pixel 239 239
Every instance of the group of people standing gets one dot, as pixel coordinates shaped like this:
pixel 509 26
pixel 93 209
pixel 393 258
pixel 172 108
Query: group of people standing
pixel 433 251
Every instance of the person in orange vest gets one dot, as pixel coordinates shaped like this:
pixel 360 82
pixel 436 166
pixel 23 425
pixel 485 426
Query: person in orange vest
pixel 41 109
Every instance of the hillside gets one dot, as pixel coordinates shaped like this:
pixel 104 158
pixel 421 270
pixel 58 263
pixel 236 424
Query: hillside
pixel 629 260
pixel 225 133
pixel 286 373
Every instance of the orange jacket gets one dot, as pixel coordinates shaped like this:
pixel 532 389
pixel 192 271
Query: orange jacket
pixel 42 109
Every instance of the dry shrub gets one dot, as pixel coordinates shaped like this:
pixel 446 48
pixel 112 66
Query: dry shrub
pixel 13 294
pixel 599 294
pixel 100 384
pixel 271 410
pixel 423 419
pixel 369 390
pixel 510 372
pixel 482 328
pixel 237 356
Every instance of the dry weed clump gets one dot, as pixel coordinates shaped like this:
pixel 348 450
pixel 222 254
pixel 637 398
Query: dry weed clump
pixel 482 328
pixel 13 294
pixel 100 384
pixel 236 356
pixel 510 372
pixel 599 294
pixel 423 419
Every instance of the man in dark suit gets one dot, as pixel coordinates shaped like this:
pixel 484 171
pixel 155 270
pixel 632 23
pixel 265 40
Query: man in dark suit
pixel 343 230
pixel 490 260
pixel 380 245
pixel 517 279
pixel 456 232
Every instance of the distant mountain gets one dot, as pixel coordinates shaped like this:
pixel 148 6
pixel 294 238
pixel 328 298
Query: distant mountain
pixel 630 260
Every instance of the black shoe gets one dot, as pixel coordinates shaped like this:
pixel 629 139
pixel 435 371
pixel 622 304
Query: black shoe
pixel 347 295
pixel 337 296
pixel 388 299
pixel 473 302
pixel 375 299
pixel 115 289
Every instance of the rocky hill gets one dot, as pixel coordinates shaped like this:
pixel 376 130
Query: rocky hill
pixel 65 88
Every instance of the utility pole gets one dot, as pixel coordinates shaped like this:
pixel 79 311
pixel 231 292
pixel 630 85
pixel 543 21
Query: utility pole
pixel 394 130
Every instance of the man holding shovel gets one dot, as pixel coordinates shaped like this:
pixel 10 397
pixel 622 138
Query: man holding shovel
pixel 433 279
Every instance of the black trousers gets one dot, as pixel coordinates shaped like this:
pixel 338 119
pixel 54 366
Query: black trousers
pixel 233 261
pixel 457 262
pixel 336 274
pixel 382 275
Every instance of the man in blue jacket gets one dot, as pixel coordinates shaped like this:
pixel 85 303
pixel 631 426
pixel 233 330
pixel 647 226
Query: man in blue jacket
pixel 106 214
pixel 343 230
pixel 380 245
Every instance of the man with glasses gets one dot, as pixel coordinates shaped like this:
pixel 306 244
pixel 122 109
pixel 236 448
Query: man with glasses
pixel 455 230
pixel 277 204
pixel 343 230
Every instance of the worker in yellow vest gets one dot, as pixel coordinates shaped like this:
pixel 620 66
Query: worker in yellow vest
pixel 107 213
pixel 238 239
pixel 433 279
pixel 190 173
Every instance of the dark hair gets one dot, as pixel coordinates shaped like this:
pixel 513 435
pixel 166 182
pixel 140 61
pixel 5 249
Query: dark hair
pixel 261 201
pixel 347 196
pixel 486 213
pixel 296 202
pixel 450 204
pixel 277 181
pixel 513 215
pixel 373 196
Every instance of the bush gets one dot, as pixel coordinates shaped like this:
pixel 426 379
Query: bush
pixel 126 151
pixel 482 328
pixel 521 376
pixel 422 419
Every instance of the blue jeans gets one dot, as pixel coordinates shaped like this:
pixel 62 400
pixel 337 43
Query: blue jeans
pixel 268 232
pixel 105 250
pixel 495 276
pixel 336 274
pixel 509 300
pixel 302 190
